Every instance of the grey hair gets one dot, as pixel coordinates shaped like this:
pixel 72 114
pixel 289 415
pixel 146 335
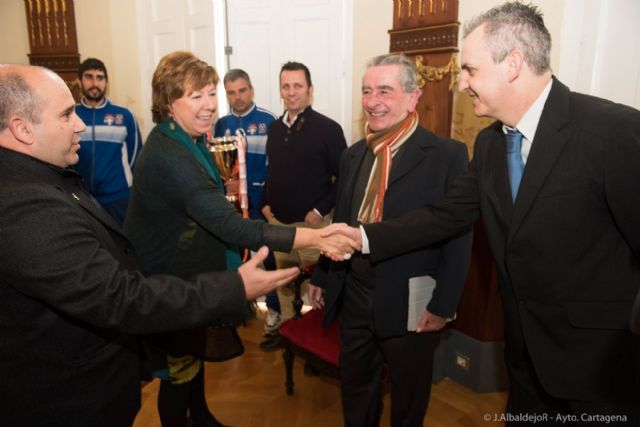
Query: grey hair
pixel 515 25
pixel 17 98
pixel 235 74
pixel 408 70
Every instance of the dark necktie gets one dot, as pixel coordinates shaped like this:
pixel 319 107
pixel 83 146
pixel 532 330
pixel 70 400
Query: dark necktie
pixel 514 161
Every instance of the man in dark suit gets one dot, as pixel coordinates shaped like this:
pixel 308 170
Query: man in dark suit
pixel 398 167
pixel 566 238
pixel 70 292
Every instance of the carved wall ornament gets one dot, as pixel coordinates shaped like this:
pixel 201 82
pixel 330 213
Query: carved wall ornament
pixel 47 22
pixel 64 22
pixel 405 8
pixel 53 39
pixel 428 73
pixel 30 13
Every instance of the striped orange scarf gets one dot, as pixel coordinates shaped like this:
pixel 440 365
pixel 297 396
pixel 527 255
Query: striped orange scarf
pixel 384 145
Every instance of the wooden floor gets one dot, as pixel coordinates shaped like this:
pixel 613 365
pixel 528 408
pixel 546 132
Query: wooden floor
pixel 249 391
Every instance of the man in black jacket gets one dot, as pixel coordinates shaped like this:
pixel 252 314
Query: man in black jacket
pixel 555 181
pixel 390 311
pixel 70 293
pixel 303 151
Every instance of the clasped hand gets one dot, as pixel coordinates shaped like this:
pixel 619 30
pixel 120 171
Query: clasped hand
pixel 335 236
pixel 336 242
pixel 336 246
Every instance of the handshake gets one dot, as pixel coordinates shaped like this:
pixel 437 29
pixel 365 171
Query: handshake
pixel 336 241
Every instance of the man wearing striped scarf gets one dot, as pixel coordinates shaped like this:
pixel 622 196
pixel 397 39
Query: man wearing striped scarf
pixel 397 167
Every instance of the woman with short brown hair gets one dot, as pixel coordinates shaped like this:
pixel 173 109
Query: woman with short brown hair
pixel 181 223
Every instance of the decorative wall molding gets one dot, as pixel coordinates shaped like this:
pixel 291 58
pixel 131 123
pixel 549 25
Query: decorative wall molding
pixel 427 73
pixel 440 38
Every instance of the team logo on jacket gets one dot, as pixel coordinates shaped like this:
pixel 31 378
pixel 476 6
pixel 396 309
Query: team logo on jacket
pixel 262 128
pixel 110 119
pixel 252 129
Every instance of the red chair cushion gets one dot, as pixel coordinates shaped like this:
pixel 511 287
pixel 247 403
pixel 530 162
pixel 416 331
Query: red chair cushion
pixel 309 334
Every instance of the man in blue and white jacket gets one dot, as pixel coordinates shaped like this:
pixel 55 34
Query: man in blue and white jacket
pixel 111 143
pixel 246 115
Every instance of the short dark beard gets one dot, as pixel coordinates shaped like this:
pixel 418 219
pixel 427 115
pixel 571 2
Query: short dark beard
pixel 96 99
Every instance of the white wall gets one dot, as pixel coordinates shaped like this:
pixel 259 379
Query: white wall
pixel 600 49
pixel 13 32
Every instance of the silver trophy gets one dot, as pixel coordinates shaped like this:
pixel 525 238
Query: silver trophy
pixel 224 151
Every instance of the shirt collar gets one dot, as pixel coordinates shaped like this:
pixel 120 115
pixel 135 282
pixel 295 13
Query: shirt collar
pixel 528 125
pixel 285 117
pixel 105 100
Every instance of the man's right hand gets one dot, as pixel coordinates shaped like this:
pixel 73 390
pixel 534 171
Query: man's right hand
pixel 258 282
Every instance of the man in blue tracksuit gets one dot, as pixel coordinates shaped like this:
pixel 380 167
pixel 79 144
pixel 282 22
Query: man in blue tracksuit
pixel 246 115
pixel 111 143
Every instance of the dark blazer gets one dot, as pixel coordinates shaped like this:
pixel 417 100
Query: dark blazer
pixel 566 251
pixel 426 168
pixel 70 298
pixel 180 223
pixel 178 218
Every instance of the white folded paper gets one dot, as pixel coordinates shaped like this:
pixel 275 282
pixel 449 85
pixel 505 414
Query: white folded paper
pixel 420 293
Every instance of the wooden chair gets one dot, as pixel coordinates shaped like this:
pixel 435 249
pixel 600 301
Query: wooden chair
pixel 304 336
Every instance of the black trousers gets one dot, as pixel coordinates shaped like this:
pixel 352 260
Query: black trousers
pixel 363 354
pixel 529 403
